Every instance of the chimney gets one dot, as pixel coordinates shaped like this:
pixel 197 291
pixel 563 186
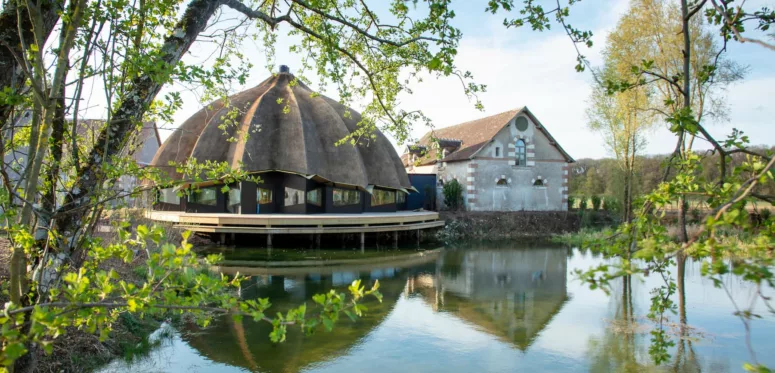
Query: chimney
pixel 284 69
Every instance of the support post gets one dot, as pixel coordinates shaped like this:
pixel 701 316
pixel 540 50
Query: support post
pixel 395 239
pixel 233 238
pixel 317 240
pixel 419 232
pixel 269 241
pixel 222 239
pixel 363 241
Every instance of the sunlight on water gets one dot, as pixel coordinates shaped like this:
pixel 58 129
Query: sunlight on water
pixel 491 307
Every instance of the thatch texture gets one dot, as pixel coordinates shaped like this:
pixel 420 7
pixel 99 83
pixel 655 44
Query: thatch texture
pixel 281 126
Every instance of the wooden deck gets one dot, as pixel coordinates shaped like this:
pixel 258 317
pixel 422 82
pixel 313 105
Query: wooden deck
pixel 301 224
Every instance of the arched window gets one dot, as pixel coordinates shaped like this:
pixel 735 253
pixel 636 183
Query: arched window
pixel 538 182
pixel 521 153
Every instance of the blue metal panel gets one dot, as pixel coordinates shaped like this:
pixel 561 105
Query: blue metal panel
pixel 426 186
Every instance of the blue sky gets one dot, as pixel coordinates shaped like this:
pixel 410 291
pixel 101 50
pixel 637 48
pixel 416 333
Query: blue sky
pixel 522 67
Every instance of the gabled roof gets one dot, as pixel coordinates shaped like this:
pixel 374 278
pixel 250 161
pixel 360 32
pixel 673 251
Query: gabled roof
pixel 475 134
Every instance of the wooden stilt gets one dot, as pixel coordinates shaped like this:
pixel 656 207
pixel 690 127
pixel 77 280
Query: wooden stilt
pixel 222 239
pixel 317 241
pixel 395 239
pixel 233 238
pixel 269 241
pixel 363 241
pixel 419 232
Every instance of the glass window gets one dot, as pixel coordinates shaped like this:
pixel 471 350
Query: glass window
pixel 502 182
pixel 315 197
pixel 538 182
pixel 235 198
pixel 521 153
pixel 204 196
pixel 400 197
pixel 497 151
pixel 344 197
pixel 383 197
pixel 293 196
pixel 168 195
pixel 264 196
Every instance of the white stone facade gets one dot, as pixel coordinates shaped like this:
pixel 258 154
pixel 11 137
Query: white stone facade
pixel 495 178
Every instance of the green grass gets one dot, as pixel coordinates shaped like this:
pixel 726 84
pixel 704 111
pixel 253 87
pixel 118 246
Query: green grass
pixel 582 238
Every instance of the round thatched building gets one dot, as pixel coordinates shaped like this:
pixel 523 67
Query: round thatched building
pixel 285 134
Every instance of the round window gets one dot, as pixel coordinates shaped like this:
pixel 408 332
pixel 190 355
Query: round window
pixel 521 123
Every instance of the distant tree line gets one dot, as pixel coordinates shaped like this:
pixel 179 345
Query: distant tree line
pixel 604 177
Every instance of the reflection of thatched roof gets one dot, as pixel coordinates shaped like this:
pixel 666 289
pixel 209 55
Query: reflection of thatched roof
pixel 284 126
pixel 246 344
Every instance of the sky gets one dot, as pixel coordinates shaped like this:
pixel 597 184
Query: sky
pixel 522 67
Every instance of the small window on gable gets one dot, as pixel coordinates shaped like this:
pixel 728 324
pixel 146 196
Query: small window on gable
pixel 502 182
pixel 538 182
pixel 497 151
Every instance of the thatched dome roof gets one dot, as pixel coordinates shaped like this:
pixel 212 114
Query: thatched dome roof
pixel 299 141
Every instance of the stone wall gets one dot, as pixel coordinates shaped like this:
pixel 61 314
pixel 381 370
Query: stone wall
pixel 498 225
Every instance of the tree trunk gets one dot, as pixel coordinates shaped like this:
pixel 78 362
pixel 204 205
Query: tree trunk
pixel 687 104
pixel 11 74
pixel 71 216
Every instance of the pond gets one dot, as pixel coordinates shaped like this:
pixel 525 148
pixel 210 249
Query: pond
pixel 487 307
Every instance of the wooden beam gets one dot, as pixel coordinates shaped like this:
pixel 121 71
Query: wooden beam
pixel 309 230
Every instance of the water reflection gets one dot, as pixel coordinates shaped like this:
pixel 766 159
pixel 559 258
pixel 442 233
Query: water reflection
pixel 493 308
pixel 245 344
pixel 510 294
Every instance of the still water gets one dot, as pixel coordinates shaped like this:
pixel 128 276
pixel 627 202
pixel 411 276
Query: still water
pixel 485 307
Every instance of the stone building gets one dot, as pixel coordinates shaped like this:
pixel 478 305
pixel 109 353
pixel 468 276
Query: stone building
pixel 507 162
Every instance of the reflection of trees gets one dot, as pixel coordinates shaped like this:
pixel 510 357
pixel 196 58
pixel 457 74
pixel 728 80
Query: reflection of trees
pixel 511 294
pixel 624 347
pixel 685 359
pixel 618 349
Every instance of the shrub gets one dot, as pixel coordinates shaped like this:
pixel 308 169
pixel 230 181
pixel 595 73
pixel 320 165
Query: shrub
pixel 696 215
pixel 611 204
pixel 766 214
pixel 582 203
pixel 596 203
pixel 453 194
pixel 571 202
